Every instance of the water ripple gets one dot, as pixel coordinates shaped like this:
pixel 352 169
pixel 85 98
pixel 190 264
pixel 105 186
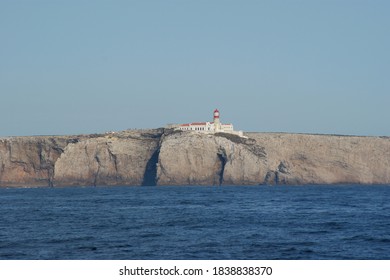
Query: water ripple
pixel 310 222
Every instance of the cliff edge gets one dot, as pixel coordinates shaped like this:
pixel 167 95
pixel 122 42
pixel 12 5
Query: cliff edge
pixel 167 157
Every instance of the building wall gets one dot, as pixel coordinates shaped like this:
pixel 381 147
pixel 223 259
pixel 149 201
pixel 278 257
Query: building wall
pixel 227 127
pixel 207 127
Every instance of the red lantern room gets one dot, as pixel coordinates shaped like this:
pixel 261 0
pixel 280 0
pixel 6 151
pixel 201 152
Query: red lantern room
pixel 216 114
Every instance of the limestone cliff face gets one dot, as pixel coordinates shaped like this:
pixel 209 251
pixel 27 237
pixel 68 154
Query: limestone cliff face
pixel 165 157
pixel 273 158
pixel 325 159
pixel 189 158
pixel 126 158
pixel 108 160
pixel 29 161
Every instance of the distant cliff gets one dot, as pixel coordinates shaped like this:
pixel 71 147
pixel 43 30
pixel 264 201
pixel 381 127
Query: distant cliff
pixel 166 157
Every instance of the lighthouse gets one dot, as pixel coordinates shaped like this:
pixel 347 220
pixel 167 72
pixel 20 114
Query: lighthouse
pixel 208 127
pixel 217 123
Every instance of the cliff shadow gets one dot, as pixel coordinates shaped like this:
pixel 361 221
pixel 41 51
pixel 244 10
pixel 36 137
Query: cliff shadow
pixel 223 159
pixel 150 175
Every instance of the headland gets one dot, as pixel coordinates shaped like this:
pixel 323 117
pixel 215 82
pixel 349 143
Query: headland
pixel 168 156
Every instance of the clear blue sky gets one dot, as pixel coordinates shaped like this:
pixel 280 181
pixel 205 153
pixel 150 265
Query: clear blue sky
pixel 81 66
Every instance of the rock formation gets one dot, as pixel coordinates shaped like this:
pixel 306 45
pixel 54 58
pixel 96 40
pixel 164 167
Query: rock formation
pixel 167 157
pixel 29 161
pixel 206 159
pixel 110 160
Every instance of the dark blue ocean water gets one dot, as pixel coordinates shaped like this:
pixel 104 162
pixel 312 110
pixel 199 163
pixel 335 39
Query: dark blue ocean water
pixel 306 222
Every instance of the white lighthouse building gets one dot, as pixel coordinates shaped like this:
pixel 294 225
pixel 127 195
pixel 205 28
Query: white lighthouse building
pixel 209 127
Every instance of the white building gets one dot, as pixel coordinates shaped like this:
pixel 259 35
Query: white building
pixel 208 127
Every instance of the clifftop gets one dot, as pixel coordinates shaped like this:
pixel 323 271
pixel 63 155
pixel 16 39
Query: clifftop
pixel 167 157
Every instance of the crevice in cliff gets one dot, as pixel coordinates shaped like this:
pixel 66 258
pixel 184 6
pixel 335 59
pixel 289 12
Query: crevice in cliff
pixel 45 164
pixel 55 153
pixel 269 178
pixel 150 174
pixel 97 171
pixel 279 176
pixel 223 159
pixel 113 158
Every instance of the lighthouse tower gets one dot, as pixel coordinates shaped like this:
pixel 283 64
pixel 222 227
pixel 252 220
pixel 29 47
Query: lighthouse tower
pixel 217 123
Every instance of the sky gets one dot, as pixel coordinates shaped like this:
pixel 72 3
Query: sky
pixel 81 66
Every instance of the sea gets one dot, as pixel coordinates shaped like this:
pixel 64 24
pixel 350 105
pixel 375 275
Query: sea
pixel 191 223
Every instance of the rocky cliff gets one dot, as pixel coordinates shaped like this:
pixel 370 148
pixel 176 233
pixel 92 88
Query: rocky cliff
pixel 166 157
